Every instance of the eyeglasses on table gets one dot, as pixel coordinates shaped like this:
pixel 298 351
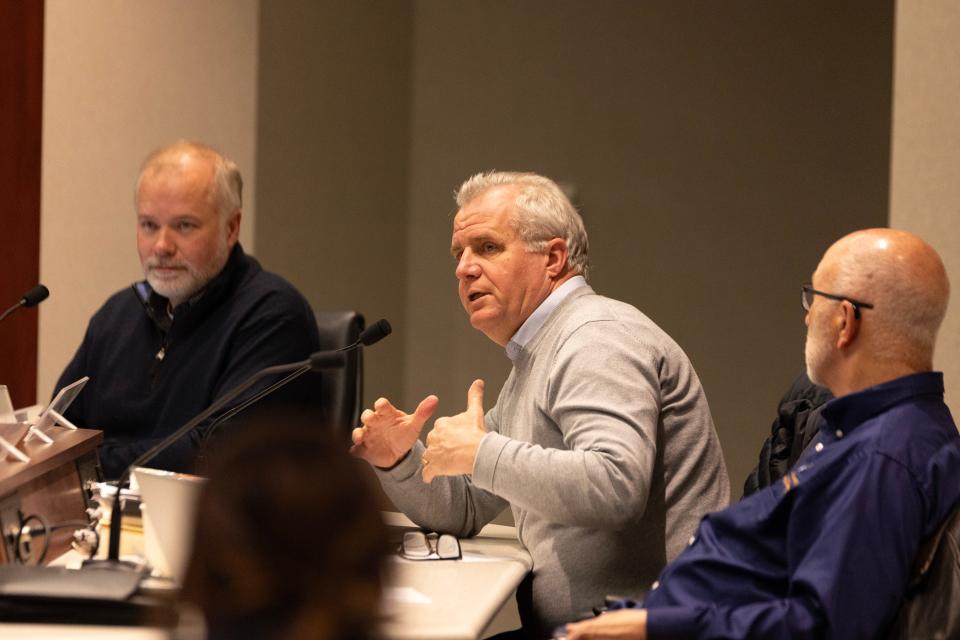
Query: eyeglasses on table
pixel 423 545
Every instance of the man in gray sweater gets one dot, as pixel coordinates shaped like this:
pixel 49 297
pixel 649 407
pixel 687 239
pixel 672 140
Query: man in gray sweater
pixel 601 441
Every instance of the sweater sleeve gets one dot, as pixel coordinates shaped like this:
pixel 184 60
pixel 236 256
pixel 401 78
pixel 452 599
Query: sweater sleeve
pixel 449 504
pixel 604 396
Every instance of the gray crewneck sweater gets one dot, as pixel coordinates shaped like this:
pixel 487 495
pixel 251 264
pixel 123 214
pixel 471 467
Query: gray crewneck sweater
pixel 602 444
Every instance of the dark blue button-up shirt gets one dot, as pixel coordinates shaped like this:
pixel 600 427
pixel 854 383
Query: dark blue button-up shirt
pixel 827 551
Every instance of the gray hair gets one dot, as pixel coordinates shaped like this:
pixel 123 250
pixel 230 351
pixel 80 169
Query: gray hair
pixel 227 191
pixel 541 212
pixel 907 311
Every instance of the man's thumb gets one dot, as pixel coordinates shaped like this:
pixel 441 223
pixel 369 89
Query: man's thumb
pixel 475 397
pixel 426 408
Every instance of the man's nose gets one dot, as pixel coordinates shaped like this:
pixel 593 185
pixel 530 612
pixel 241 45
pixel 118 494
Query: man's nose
pixel 164 243
pixel 467 266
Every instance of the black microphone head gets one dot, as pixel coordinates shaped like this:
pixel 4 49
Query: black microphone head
pixel 375 332
pixel 35 296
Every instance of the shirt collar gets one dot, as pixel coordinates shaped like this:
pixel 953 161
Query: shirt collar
pixel 854 409
pixel 532 324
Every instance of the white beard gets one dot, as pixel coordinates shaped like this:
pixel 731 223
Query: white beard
pixel 189 278
pixel 817 353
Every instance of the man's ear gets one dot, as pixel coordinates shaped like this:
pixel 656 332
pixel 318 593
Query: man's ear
pixel 556 257
pixel 233 228
pixel 849 325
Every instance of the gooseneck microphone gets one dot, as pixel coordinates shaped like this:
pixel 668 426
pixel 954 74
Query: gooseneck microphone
pixel 35 296
pixel 372 334
pixel 31 298
pixel 319 360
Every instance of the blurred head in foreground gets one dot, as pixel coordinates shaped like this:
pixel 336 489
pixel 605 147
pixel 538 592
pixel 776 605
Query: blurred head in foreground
pixel 289 541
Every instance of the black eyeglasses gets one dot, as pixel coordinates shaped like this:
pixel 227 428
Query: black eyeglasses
pixel 806 299
pixel 423 545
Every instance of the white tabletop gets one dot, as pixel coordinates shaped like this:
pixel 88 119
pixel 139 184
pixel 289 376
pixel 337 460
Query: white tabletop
pixel 423 600
pixel 453 599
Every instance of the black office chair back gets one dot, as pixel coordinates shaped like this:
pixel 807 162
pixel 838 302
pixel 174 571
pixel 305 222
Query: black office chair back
pixel 929 608
pixel 341 389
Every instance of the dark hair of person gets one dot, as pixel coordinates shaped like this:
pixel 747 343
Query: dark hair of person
pixel 289 540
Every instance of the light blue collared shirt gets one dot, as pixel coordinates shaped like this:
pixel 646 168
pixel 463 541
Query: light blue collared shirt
pixel 532 324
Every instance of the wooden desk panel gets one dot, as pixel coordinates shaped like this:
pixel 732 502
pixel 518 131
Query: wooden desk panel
pixel 50 485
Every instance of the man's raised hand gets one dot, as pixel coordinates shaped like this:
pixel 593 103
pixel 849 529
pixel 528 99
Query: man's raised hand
pixel 388 433
pixel 452 444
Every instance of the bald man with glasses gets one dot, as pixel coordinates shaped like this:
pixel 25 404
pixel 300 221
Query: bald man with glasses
pixel 826 551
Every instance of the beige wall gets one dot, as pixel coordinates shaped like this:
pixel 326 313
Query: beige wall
pixel 121 78
pixel 925 174
pixel 716 153
pixel 333 140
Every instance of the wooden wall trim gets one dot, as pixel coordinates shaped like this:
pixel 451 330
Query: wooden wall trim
pixel 21 110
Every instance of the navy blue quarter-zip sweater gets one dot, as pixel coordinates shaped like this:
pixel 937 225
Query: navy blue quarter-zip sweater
pixel 150 374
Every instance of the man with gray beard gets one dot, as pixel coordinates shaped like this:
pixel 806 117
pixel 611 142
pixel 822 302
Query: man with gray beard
pixel 205 318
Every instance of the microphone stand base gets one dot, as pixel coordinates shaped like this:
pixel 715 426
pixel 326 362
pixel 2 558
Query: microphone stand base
pixel 103 564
